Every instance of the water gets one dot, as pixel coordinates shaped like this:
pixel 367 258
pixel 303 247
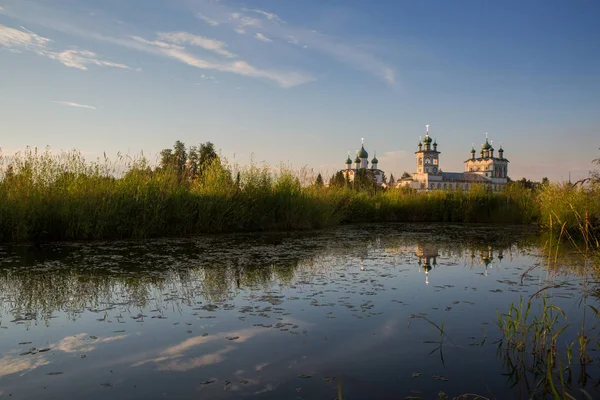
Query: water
pixel 273 316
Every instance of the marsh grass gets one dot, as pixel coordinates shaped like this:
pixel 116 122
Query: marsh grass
pixel 538 337
pixel 46 196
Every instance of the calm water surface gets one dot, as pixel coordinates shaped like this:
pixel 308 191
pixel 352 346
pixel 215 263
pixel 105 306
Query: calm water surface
pixel 273 316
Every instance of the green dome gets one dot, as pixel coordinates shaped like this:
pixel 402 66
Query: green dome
pixel 487 145
pixel 374 160
pixel 427 140
pixel 357 159
pixel 363 153
pixel 348 160
pixel 473 150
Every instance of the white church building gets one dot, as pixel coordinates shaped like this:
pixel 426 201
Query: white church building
pixel 487 169
pixel 361 162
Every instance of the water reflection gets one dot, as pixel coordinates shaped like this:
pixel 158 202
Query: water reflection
pixel 270 316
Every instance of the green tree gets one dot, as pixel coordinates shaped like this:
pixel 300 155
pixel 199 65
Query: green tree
pixel 338 180
pixel 166 158
pixel 392 181
pixel 319 181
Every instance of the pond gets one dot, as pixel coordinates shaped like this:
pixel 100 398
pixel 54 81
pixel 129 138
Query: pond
pixel 388 311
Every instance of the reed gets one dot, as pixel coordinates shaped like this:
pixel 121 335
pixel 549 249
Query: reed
pixel 46 196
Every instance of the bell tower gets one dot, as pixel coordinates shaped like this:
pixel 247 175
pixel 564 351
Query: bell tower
pixel 428 158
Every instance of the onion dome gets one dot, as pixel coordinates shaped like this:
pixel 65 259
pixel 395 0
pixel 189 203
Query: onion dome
pixel 348 160
pixel 427 139
pixel 472 150
pixel 487 145
pixel 357 159
pixel 374 160
pixel 363 153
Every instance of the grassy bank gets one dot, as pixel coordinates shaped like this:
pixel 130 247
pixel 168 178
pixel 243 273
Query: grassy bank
pixel 50 197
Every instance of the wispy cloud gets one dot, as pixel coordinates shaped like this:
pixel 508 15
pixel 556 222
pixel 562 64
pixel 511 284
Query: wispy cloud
pixel 187 38
pixel 208 20
pixel 258 22
pixel 73 104
pixel 270 16
pixel 1 10
pixel 243 22
pixel 16 40
pixel 284 79
pixel 262 37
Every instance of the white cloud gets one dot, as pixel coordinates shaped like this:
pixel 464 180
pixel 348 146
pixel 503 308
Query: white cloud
pixel 284 79
pixel 81 58
pixel 187 38
pixel 243 22
pixel 262 37
pixel 270 16
pixel 157 43
pixel 73 104
pixel 1 10
pixel 208 20
pixel 16 40
pixel 273 27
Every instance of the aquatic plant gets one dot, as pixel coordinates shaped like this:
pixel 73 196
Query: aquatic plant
pixel 531 330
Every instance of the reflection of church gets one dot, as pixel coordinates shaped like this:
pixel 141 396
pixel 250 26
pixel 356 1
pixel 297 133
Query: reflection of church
pixel 427 254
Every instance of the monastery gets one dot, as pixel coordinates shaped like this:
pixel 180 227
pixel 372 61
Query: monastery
pixel 487 169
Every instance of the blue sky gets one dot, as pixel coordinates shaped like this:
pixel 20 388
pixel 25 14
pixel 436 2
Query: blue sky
pixel 301 82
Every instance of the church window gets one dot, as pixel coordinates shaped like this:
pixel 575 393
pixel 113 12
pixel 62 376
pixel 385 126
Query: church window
pixel 435 161
pixel 420 161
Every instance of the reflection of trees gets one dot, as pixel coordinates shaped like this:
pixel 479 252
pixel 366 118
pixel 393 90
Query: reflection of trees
pixel 125 276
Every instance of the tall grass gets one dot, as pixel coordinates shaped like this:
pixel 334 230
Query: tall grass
pixel 538 339
pixel 62 197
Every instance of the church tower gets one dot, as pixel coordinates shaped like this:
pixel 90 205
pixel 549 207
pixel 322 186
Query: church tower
pixel 428 158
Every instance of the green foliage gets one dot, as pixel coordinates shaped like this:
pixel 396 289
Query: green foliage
pixel 63 197
pixel 566 207
pixel 319 181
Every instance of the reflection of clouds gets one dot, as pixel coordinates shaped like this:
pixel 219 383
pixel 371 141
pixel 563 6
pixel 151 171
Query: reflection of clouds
pixel 170 357
pixel 12 363
pixel 261 366
pixel 197 362
pixel 77 343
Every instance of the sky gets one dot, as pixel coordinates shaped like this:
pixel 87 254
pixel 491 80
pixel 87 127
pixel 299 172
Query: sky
pixel 301 82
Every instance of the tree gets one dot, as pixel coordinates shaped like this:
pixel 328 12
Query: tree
pixel 206 154
pixel 338 180
pixel 192 163
pixel 383 177
pixel 319 181
pixel 166 158
pixel 545 181
pixel 405 175
pixel 179 156
pixel 392 180
pixel 364 180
